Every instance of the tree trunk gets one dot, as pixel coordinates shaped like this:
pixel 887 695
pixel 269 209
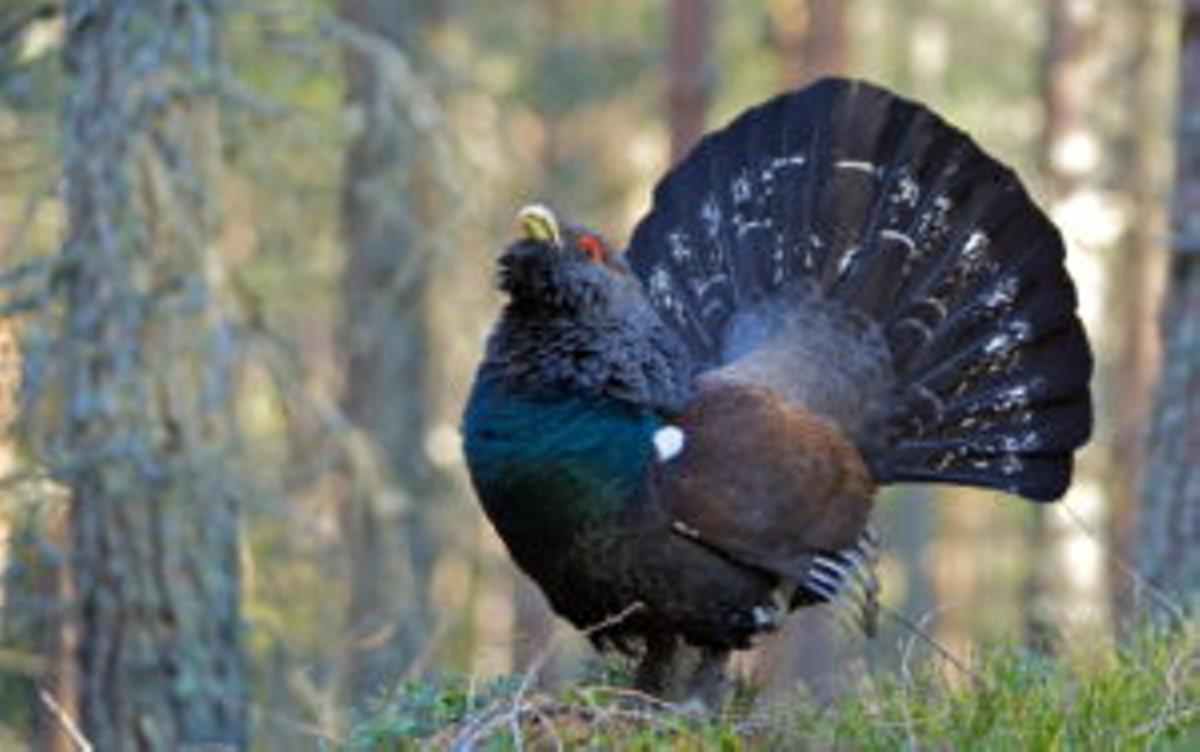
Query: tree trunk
pixel 811 37
pixel 1134 303
pixel 1169 525
pixel 1069 74
pixel 143 436
pixel 1062 583
pixel 387 347
pixel 690 72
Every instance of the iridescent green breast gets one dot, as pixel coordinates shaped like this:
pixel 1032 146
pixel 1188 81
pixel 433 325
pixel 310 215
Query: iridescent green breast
pixel 546 468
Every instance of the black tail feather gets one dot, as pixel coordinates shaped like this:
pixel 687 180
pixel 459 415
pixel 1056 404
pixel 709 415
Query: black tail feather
pixel 902 220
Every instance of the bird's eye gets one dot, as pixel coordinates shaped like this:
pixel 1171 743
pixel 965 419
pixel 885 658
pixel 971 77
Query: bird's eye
pixel 590 244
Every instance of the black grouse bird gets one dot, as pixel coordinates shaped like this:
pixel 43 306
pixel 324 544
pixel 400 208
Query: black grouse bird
pixel 839 290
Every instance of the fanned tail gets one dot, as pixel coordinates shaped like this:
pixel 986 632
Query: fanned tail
pixel 843 197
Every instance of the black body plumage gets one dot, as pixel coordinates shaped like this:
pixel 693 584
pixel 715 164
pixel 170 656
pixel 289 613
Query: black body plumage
pixel 839 252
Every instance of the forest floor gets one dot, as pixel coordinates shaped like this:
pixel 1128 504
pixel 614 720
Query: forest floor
pixel 1145 694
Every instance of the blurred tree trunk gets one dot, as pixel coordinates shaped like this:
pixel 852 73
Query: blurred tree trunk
pixel 1061 584
pixel 34 581
pixel 690 72
pixel 388 348
pixel 141 431
pixel 1068 73
pixel 59 643
pixel 902 20
pixel 1169 525
pixel 1133 304
pixel 811 37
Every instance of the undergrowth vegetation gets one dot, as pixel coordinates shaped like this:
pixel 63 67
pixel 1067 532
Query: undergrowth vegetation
pixel 1145 694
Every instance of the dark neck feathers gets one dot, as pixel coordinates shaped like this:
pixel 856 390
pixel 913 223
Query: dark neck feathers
pixel 614 346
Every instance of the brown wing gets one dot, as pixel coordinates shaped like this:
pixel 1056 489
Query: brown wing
pixel 763 480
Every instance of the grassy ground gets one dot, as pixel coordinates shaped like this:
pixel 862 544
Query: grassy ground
pixel 1145 695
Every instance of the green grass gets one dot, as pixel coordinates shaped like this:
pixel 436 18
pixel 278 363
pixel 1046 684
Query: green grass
pixel 1144 695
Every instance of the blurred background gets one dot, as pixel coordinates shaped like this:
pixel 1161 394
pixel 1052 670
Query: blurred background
pixel 321 190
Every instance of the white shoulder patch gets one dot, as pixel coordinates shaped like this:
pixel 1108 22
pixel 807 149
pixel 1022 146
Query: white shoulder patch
pixel 668 443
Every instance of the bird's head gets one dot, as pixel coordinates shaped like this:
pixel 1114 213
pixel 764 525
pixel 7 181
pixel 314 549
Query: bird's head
pixel 559 266
pixel 578 320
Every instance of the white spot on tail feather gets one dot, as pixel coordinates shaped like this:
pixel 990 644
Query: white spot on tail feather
pixel 899 237
pixel 1014 334
pixel 660 280
pixel 668 443
pixel 680 252
pixel 710 213
pixel 975 247
pixel 846 262
pixel 685 530
pixel 907 192
pixel 741 189
pixel 1011 465
pixel 855 164
pixel 779 163
pixel 1003 293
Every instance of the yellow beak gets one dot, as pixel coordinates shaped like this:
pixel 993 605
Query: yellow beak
pixel 537 222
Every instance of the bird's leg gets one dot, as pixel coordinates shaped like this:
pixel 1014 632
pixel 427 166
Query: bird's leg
pixel 709 683
pixel 655 672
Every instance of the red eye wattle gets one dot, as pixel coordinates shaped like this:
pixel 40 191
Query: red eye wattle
pixel 590 244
